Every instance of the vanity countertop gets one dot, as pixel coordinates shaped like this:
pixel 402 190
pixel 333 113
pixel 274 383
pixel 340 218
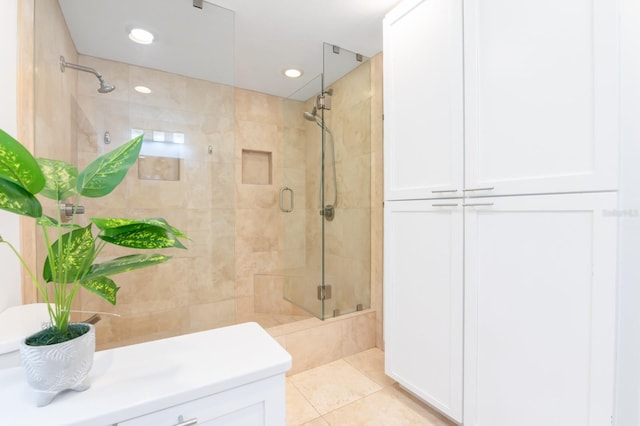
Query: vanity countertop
pixel 132 381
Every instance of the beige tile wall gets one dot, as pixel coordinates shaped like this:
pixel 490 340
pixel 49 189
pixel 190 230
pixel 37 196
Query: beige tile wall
pixel 54 100
pixel 237 230
pixel 195 290
pixel 377 195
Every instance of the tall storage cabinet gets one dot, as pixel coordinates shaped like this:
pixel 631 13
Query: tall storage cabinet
pixel 501 151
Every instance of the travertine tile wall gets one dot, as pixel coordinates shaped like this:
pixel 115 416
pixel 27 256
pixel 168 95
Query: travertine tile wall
pixel 195 290
pixel 54 99
pixel 237 229
pixel 377 196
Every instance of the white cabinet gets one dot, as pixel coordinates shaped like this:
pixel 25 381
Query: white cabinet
pixel 423 301
pixel 505 113
pixel 250 404
pixel 423 99
pixel 540 310
pixel 532 89
pixel 227 376
pixel 541 95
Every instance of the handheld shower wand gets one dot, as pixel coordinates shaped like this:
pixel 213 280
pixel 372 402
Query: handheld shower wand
pixel 104 86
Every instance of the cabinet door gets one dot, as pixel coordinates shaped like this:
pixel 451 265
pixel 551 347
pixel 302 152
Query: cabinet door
pixel 423 100
pixel 423 300
pixel 540 310
pixel 541 95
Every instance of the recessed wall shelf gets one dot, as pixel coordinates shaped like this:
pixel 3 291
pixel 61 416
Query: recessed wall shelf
pixel 256 167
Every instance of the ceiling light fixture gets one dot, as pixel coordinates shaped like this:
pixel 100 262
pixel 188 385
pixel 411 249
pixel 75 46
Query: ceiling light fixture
pixel 141 36
pixel 142 89
pixel 292 72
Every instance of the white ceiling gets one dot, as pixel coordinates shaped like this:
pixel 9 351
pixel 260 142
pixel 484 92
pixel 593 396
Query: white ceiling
pixel 246 43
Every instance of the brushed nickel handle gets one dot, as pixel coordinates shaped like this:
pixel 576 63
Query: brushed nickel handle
pixel 477 204
pixel 190 422
pixel 487 188
pixel 282 191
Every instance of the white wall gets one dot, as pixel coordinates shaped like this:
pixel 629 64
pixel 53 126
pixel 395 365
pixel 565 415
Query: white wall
pixel 628 377
pixel 9 224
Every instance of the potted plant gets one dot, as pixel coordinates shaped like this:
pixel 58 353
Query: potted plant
pixel 72 254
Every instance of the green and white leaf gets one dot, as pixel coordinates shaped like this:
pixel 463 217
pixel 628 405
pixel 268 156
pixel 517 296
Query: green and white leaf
pixel 49 222
pixel 125 264
pixel 72 257
pixel 101 286
pixel 143 236
pixel 114 226
pixel 16 199
pixel 60 179
pixel 17 165
pixel 105 173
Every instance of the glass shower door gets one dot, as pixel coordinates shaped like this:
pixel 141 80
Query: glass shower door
pixel 327 156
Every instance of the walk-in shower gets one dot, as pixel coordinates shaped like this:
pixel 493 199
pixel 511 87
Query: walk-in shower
pixel 104 86
pixel 328 272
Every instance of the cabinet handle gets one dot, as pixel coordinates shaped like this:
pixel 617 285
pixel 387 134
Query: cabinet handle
pixel 477 204
pixel 183 422
pixel 440 191
pixel 488 188
pixel 445 205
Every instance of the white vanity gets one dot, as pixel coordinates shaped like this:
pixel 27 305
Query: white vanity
pixel 228 376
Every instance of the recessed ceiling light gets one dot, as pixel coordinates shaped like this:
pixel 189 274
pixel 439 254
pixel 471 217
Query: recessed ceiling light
pixel 141 36
pixel 142 89
pixel 292 72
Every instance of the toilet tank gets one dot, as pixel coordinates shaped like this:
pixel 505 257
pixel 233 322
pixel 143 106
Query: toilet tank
pixel 16 323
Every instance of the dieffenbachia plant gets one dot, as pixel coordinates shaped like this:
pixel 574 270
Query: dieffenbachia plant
pixel 71 258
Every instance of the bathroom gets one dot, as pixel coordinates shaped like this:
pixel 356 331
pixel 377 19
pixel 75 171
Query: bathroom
pixel 241 147
pixel 252 241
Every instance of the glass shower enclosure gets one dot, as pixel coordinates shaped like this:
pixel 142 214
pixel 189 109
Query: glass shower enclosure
pixel 325 200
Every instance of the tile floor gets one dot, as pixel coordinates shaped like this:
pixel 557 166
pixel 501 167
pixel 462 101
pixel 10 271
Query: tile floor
pixel 354 391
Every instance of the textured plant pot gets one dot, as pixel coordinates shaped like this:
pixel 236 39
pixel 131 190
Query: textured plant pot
pixel 55 368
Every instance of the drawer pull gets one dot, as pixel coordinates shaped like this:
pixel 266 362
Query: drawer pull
pixel 477 204
pixel 488 188
pixel 183 422
pixel 439 191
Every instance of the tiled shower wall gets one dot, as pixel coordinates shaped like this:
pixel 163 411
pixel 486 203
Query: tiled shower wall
pixel 236 228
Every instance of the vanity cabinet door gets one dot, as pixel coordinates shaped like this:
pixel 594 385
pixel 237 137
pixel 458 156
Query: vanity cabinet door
pixel 423 300
pixel 541 96
pixel 260 403
pixel 540 291
pixel 423 109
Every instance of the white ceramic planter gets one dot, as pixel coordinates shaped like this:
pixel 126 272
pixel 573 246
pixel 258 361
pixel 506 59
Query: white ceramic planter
pixel 54 368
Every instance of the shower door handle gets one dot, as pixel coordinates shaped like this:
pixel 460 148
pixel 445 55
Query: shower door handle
pixel 282 191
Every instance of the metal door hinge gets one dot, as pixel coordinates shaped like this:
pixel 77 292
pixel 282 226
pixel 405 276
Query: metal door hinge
pixel 324 293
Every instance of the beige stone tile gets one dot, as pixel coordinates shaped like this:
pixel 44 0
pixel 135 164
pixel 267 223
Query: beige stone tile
pixel 299 410
pixel 386 407
pixel 371 364
pixel 333 385
pixel 210 315
pixel 285 329
pixel 257 107
pixel 317 422
pixel 316 346
pixel 358 334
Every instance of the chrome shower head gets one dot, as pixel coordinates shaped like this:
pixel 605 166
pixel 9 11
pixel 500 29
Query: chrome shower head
pixel 104 86
pixel 311 116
